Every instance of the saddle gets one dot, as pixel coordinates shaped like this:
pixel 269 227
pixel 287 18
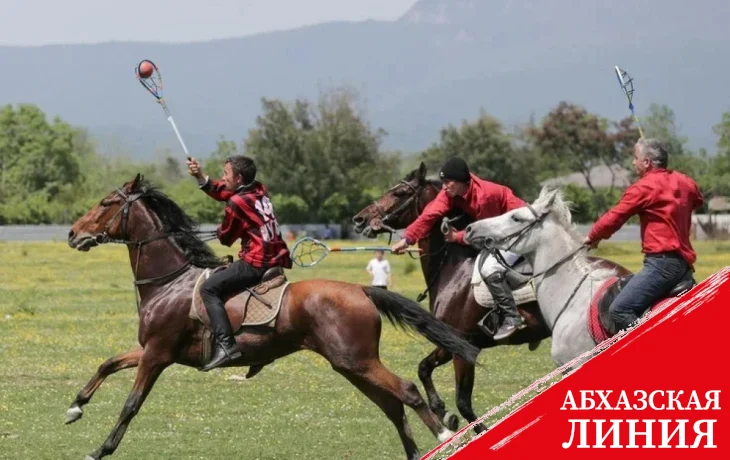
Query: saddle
pixel 599 319
pixel 519 280
pixel 256 306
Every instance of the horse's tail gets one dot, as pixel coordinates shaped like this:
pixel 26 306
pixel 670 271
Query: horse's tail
pixel 402 311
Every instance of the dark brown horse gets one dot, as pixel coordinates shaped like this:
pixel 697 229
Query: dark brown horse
pixel 447 269
pixel 340 321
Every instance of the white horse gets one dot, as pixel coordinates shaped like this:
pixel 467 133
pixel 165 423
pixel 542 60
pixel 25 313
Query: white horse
pixel 565 277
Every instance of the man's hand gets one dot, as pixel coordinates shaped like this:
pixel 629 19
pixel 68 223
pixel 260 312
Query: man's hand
pixel 194 169
pixel 450 235
pixel 591 244
pixel 400 247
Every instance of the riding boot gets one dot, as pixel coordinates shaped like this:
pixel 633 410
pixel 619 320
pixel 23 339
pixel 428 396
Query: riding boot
pixel 502 295
pixel 225 349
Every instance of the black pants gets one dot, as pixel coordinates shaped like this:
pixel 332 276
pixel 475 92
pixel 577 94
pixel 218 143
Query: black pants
pixel 380 287
pixel 220 287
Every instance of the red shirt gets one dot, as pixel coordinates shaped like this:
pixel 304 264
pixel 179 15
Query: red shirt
pixel 664 201
pixel 249 215
pixel 482 199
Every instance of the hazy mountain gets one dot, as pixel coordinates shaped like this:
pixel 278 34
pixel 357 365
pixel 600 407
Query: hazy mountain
pixel 440 63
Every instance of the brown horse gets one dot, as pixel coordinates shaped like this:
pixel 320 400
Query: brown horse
pixel 447 269
pixel 340 321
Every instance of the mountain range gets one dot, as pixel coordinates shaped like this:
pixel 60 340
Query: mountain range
pixel 441 62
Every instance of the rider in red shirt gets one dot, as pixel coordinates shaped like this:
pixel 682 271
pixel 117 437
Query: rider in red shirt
pixel 479 199
pixel 664 201
pixel 249 216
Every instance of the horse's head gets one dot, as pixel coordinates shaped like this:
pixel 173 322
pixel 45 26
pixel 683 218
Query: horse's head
pixel 398 207
pixel 108 219
pixel 520 230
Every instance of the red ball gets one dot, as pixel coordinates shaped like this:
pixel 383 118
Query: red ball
pixel 145 69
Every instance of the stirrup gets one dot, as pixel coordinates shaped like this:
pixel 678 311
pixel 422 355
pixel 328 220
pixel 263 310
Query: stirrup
pixel 228 355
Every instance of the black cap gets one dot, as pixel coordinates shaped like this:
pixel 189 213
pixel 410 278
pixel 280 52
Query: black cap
pixel 455 169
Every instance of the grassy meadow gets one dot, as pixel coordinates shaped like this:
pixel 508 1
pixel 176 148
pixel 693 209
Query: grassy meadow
pixel 62 313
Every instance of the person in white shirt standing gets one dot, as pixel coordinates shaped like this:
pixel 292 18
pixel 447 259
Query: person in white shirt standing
pixel 379 270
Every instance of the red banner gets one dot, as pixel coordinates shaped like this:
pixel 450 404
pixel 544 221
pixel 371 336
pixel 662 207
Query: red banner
pixel 654 392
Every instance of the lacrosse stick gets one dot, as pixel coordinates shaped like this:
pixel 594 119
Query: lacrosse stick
pixel 314 251
pixel 627 84
pixel 150 77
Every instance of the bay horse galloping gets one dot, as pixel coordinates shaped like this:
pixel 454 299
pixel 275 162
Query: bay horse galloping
pixel 447 269
pixel 338 320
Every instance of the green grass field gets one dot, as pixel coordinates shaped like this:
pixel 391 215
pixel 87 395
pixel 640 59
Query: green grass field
pixel 62 313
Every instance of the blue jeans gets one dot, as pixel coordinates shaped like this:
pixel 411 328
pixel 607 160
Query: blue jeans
pixel 658 277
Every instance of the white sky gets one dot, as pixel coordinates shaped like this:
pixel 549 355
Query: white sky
pixel 40 22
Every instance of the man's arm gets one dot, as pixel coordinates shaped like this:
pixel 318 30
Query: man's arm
pixel 432 213
pixel 455 236
pixel 215 189
pixel 511 201
pixel 233 225
pixel 633 200
pixel 507 201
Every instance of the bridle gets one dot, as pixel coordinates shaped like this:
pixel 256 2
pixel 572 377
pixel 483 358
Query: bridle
pixel 384 217
pixel 490 246
pixel 123 210
pixel 414 200
pixel 123 214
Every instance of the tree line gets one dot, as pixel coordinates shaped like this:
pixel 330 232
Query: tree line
pixel 323 161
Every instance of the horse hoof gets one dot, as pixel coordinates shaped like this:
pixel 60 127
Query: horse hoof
pixel 534 345
pixel 73 414
pixel 451 421
pixel 445 435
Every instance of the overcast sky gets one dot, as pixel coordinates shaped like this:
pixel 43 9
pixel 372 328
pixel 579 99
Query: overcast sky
pixel 39 22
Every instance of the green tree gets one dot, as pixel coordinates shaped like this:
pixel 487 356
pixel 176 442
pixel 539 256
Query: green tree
pixel 490 152
pixel 572 138
pixel 716 181
pixel 40 165
pixel 224 149
pixel 321 153
pixel 660 123
pixel 35 155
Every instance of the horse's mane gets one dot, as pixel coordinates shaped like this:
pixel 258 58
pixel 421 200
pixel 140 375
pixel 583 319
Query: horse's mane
pixel 435 181
pixel 182 226
pixel 560 210
pixel 430 180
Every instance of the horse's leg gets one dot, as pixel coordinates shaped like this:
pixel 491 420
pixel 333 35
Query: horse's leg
pixel 151 365
pixel 437 358
pixel 378 376
pixel 393 409
pixel 464 373
pixel 110 366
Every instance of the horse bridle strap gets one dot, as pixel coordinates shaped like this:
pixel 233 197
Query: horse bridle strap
pixel 123 211
pixel 490 244
pixel 520 234
pixel 162 279
pixel 523 231
pixel 103 237
pixel 385 217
